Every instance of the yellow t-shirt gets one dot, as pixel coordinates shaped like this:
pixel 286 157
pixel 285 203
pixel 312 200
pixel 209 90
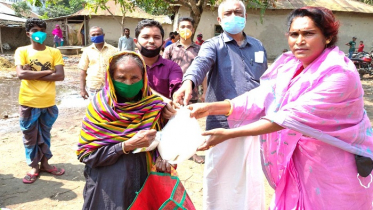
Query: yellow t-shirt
pixel 37 93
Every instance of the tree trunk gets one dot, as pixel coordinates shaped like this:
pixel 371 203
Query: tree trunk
pixel 196 18
pixel 122 26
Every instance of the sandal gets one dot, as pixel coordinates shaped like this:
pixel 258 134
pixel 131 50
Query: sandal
pixel 30 178
pixel 198 159
pixel 55 171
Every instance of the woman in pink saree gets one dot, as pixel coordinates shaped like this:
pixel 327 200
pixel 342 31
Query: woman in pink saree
pixel 309 111
pixel 58 37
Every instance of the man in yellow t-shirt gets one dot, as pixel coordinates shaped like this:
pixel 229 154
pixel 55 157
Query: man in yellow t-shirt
pixel 38 67
pixel 93 63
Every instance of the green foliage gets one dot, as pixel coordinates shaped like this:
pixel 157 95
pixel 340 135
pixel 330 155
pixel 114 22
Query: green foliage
pixel 155 7
pixel 262 5
pixel 367 1
pixel 21 9
pixel 44 16
pixel 57 8
pixel 123 4
pixel 165 7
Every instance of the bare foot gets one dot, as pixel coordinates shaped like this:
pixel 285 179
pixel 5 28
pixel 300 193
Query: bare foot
pixel 31 176
pixel 198 159
pixel 34 170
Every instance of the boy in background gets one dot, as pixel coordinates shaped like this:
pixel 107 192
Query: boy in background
pixel 38 67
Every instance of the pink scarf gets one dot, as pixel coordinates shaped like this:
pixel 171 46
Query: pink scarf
pixel 58 32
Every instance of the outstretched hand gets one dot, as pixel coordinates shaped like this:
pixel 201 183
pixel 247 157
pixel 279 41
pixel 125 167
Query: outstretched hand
pixel 183 95
pixel 216 136
pixel 169 110
pixel 199 110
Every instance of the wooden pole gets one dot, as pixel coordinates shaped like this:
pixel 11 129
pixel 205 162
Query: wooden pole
pixel 67 32
pixel 1 42
pixel 85 31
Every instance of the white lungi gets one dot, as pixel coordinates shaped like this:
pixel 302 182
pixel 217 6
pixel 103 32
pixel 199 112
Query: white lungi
pixel 233 177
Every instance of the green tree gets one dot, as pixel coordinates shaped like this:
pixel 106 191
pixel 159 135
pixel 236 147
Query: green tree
pixel 57 8
pixel 367 1
pixel 165 6
pixel 22 9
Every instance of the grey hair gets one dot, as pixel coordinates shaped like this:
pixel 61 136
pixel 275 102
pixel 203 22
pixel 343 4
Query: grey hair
pixel 123 58
pixel 93 27
pixel 222 4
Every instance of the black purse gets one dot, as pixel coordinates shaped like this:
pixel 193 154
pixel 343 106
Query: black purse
pixel 364 165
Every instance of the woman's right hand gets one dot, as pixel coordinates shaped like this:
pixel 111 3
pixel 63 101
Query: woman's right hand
pixel 199 110
pixel 141 139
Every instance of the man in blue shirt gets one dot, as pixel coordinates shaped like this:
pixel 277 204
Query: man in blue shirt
pixel 126 42
pixel 234 63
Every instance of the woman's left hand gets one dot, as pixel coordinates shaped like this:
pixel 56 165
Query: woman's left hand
pixel 217 136
pixel 169 110
pixel 163 165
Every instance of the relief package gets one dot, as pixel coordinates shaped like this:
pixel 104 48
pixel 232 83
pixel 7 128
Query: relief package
pixel 180 137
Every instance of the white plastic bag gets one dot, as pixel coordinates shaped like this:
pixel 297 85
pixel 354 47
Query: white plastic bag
pixel 180 137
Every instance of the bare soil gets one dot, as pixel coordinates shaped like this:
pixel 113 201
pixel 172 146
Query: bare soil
pixel 65 192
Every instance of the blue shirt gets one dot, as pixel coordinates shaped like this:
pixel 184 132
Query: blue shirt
pixel 125 43
pixel 232 70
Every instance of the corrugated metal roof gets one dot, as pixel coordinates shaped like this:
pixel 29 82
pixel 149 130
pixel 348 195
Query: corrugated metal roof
pixel 6 8
pixel 334 5
pixel 116 11
pixel 11 21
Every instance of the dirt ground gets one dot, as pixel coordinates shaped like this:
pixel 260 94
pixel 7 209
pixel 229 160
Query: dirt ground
pixel 65 192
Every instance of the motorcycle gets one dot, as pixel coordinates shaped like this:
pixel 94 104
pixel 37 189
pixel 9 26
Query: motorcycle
pixel 363 63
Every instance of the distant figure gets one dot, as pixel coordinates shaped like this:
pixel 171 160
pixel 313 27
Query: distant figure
pixel 174 38
pixel 200 39
pixel 126 42
pixel 352 45
pixel 58 37
pixel 361 47
pixel 168 39
pixel 93 63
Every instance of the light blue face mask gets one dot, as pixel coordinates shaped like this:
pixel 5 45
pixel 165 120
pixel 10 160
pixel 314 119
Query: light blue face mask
pixel 233 24
pixel 39 37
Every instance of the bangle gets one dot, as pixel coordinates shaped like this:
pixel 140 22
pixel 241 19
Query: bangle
pixel 124 149
pixel 231 109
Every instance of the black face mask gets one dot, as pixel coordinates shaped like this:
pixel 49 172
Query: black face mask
pixel 150 53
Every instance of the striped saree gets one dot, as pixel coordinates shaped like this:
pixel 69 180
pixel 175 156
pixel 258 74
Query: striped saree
pixel 109 122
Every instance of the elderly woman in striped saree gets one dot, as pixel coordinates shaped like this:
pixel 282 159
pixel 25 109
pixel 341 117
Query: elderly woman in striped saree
pixel 124 116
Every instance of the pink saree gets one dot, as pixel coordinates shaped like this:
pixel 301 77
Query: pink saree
pixel 310 163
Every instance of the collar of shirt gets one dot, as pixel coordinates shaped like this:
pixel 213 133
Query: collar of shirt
pixel 227 38
pixel 178 44
pixel 93 46
pixel 159 62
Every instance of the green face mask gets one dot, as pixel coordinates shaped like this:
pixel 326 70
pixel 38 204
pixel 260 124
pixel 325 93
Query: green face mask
pixel 128 91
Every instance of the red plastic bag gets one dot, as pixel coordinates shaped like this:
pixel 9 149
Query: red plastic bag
pixel 162 191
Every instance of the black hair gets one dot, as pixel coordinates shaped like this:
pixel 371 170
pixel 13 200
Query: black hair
pixel 148 23
pixel 126 29
pixel 323 18
pixel 189 19
pixel 31 22
pixel 171 34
